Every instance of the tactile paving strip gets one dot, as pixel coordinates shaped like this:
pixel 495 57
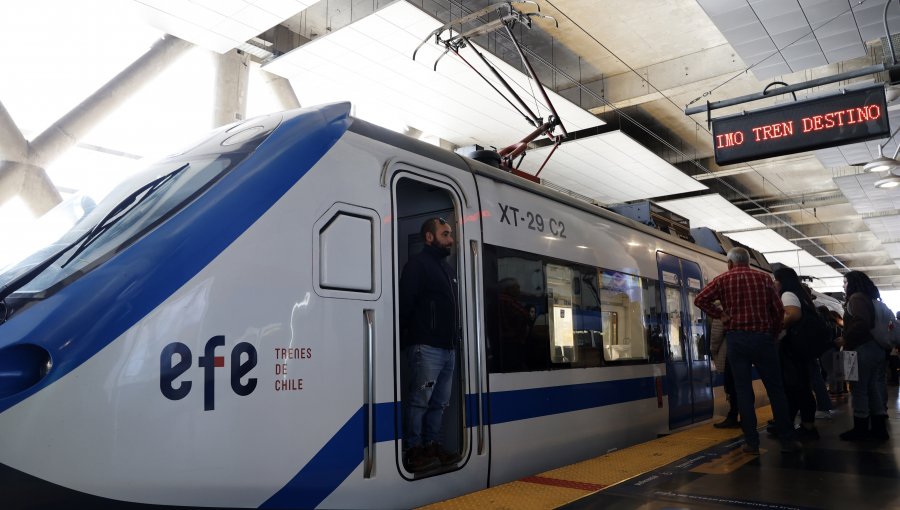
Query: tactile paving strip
pixel 560 486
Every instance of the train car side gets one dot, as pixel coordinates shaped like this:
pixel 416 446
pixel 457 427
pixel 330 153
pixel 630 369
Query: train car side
pixel 243 351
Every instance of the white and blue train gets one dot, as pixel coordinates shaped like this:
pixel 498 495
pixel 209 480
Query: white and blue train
pixel 221 330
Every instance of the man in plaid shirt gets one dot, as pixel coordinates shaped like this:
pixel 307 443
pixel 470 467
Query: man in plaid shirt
pixel 752 313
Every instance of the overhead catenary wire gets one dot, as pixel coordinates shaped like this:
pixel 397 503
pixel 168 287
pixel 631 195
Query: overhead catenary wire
pixel 671 147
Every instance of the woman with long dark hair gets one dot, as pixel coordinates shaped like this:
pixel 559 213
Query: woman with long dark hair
pixel 794 367
pixel 869 394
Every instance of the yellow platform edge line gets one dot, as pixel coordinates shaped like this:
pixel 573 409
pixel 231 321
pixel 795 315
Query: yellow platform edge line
pixel 606 470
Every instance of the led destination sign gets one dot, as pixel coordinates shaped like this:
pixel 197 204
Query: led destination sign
pixel 854 116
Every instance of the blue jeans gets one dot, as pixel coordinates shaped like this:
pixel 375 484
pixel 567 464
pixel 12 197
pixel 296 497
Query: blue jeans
pixel 748 348
pixel 869 394
pixel 430 383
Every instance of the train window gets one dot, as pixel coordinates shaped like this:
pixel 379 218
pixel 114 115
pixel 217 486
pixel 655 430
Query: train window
pixel 519 311
pixel 623 301
pixel 345 253
pixel 345 248
pixel 541 314
pixel 698 328
pixel 559 304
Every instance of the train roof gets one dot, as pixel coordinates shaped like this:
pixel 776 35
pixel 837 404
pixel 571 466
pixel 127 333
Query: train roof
pixel 453 159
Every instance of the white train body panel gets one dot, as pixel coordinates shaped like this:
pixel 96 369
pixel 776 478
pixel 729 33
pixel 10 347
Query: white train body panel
pixel 119 422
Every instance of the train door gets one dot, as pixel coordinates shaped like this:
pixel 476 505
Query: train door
pixel 449 198
pixel 687 357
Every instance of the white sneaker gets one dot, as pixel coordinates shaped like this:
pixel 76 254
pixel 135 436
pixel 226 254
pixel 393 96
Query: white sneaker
pixel 825 415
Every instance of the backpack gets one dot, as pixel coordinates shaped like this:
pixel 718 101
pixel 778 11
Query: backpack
pixel 886 331
pixel 810 336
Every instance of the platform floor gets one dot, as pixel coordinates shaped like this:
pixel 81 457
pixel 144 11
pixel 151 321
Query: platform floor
pixel 703 468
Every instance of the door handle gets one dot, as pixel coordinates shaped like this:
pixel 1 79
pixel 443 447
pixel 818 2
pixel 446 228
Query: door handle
pixel 369 391
pixel 476 293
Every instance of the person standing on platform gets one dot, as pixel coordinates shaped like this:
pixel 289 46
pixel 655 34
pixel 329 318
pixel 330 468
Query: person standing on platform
pixel 869 393
pixel 893 366
pixel 795 368
pixel 752 313
pixel 430 331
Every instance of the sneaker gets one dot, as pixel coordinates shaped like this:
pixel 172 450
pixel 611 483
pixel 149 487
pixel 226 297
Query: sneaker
pixel 825 415
pixel 446 458
pixel 792 446
pixel 750 449
pixel 727 423
pixel 419 459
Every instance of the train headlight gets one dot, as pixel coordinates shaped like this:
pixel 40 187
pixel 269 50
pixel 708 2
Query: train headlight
pixel 21 367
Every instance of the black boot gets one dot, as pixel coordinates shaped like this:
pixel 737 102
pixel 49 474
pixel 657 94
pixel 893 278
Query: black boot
pixel 859 431
pixel 879 430
pixel 730 422
pixel 731 419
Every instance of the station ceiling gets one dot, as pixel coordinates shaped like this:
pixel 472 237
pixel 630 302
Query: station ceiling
pixel 627 70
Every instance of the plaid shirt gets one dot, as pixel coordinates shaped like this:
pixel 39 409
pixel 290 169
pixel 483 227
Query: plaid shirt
pixel 747 296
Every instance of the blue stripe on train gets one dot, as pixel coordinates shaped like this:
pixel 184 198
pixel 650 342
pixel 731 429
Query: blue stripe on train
pixel 344 451
pixel 516 405
pixel 84 317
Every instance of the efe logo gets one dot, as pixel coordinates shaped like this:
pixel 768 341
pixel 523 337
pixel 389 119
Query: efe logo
pixel 168 371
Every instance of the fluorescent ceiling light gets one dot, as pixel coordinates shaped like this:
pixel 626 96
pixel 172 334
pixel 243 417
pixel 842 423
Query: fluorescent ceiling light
pixel 369 63
pixel 892 180
pixel 217 26
pixel 794 259
pixel 881 164
pixel 763 240
pixel 820 271
pixel 712 211
pixel 610 168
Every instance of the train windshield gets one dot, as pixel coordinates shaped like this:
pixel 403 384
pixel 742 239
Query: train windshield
pixel 129 211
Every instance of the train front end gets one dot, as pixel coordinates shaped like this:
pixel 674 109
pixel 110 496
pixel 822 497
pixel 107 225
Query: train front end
pixel 130 347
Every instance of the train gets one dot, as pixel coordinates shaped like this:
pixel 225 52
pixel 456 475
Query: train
pixel 222 329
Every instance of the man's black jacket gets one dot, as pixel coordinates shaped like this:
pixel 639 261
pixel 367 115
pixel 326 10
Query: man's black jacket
pixel 428 300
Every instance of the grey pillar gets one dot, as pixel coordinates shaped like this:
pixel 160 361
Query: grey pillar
pixel 232 74
pixel 282 89
pixel 29 182
pixel 17 177
pixel 13 146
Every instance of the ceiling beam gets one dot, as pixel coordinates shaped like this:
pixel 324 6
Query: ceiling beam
pixel 73 126
pixel 820 230
pixel 688 73
pixel 13 145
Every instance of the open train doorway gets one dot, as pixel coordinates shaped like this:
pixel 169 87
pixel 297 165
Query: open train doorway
pixel 433 282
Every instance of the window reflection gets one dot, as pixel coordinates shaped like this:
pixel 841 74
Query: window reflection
pixel 545 314
pixel 674 310
pixel 698 328
pixel 621 299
